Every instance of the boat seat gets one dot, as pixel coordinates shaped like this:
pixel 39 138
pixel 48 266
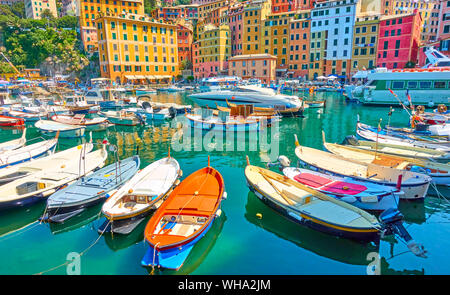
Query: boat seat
pixel 312 180
pixel 345 188
pixel 403 165
pixel 300 200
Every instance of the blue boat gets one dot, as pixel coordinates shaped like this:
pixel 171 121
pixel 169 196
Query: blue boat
pixel 89 190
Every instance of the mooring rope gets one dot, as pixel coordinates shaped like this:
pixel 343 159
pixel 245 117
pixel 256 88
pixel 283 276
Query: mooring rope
pixel 81 254
pixel 153 263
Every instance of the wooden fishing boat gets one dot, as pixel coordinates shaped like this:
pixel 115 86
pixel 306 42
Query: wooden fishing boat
pixel 14 144
pixel 27 153
pixel 439 172
pixel 364 195
pixel 49 128
pixel 123 118
pixel 235 121
pixel 183 219
pixel 315 103
pixel 369 134
pixel 253 114
pixel 143 193
pixel 89 190
pixel 12 173
pixel 414 185
pixel 399 150
pixel 27 117
pixel 6 121
pixel 279 110
pixel 38 186
pixel 94 124
pixel 311 208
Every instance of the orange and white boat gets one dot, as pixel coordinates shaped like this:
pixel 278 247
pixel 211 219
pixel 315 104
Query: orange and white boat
pixel 184 218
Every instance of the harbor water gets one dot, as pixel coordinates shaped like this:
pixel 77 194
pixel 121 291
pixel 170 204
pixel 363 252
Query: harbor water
pixel 248 237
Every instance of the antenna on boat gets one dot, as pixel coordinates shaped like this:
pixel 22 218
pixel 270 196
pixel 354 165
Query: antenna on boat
pixel 376 143
pixel 389 115
pixel 168 154
pixel 208 162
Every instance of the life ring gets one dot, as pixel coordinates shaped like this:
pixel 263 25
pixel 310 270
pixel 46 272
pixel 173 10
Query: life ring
pixel 420 109
pixel 442 108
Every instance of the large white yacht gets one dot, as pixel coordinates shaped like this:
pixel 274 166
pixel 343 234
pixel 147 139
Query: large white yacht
pixel 429 86
pixel 248 94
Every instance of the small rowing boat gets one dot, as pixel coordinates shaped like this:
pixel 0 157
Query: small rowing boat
pixel 308 207
pixel 94 124
pixel 27 153
pixel 6 121
pixel 143 193
pixel 315 103
pixel 398 150
pixel 364 195
pixel 279 110
pixel 183 219
pixel 27 117
pixel 38 186
pixel 14 144
pixel 89 190
pixel 439 172
pixel 49 128
pixel 414 185
pixel 11 173
pixel 367 133
pixel 123 117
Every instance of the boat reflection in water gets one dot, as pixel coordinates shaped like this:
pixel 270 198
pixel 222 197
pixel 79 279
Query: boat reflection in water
pixel 16 219
pixel 84 218
pixel 198 253
pixel 335 248
pixel 118 242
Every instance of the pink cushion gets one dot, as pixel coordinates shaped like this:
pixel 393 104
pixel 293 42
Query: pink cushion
pixel 345 188
pixel 312 180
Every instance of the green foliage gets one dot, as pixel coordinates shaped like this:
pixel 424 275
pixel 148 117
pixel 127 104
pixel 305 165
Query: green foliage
pixel 149 5
pixel 190 78
pixel 5 68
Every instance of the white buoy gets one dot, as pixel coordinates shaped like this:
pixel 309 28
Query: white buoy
pixel 218 213
pixel 224 196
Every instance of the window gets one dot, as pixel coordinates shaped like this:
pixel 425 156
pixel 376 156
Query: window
pixel 425 84
pixel 439 84
pixel 412 84
pixel 398 84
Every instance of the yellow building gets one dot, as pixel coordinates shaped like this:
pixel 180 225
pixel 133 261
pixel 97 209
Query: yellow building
pixel 276 39
pixel 204 10
pixel 213 52
pixel 34 8
pixel 365 39
pixel 253 18
pixel 137 48
pixel 89 10
pixel 317 53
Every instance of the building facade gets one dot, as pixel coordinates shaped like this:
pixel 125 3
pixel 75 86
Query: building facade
pixel 365 40
pixel 214 50
pixel 135 47
pixel 89 10
pixel 253 66
pixel 398 40
pixel 185 38
pixel 254 16
pixel 34 8
pixel 299 43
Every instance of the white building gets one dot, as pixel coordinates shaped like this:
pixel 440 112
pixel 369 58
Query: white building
pixel 34 8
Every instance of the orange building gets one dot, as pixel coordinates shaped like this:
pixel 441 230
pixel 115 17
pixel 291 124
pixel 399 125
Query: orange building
pixel 185 39
pixel 299 44
pixel 89 10
pixel 135 48
pixel 253 66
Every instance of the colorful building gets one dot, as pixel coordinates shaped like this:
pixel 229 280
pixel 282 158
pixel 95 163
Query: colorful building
pixel 253 66
pixel 253 17
pixel 68 7
pixel 429 13
pixel 398 40
pixel 89 10
pixel 443 35
pixel 214 50
pixel 280 6
pixel 300 27
pixel 205 9
pixel 332 24
pixel 135 48
pixel 34 8
pixel 235 22
pixel 365 40
pixel 185 39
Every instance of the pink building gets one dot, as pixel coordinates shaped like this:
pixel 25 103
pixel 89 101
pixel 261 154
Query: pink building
pixel 236 26
pixel 253 66
pixel 443 35
pixel 398 40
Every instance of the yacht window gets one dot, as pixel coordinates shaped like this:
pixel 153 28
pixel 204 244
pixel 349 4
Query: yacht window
pixel 425 84
pixel 412 84
pixel 439 84
pixel 398 84
pixel 372 83
pixel 91 94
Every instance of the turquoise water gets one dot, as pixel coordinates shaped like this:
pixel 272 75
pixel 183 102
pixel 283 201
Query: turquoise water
pixel 238 242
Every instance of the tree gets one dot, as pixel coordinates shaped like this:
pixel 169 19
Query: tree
pixel 18 9
pixel 47 14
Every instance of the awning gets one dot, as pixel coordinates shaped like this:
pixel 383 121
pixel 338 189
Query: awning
pixel 150 77
pixel 360 75
pixel 130 77
pixel 139 77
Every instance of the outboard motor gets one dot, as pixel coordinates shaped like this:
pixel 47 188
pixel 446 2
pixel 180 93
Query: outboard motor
pixel 392 224
pixel 282 162
pixel 141 117
pixel 146 106
pixel 172 112
pixel 350 140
